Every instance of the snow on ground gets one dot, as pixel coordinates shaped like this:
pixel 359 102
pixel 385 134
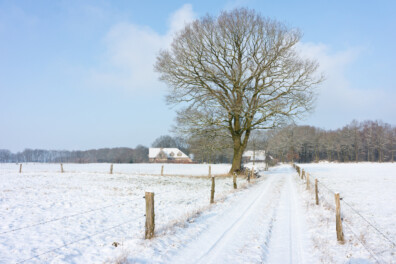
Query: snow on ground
pixel 272 220
pixel 370 189
pixel 133 168
pixel 104 200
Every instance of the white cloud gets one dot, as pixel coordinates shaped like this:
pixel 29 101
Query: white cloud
pixel 333 66
pixel 339 101
pixel 180 17
pixel 131 53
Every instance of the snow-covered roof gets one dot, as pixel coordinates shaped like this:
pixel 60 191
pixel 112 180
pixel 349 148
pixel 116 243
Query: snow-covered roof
pixel 170 152
pixel 258 154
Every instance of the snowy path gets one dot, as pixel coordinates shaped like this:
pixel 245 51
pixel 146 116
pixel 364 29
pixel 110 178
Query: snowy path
pixel 263 226
pixel 288 243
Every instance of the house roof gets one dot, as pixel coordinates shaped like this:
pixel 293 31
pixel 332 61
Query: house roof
pixel 177 153
pixel 258 154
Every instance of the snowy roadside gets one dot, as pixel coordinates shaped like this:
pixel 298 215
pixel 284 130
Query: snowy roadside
pixel 369 189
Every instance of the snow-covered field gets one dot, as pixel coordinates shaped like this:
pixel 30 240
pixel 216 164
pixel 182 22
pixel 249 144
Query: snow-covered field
pixel 83 202
pixel 368 208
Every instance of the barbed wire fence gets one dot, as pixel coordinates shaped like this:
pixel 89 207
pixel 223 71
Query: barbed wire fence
pixel 67 216
pixel 111 169
pixel 194 206
pixel 352 217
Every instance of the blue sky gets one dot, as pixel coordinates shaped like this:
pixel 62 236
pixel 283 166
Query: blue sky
pixel 79 74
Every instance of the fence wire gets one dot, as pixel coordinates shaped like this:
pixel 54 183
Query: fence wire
pixel 167 172
pixel 79 240
pixel 372 254
pixel 69 216
pixel 368 222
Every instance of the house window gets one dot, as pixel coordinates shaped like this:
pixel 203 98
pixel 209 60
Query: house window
pixel 162 155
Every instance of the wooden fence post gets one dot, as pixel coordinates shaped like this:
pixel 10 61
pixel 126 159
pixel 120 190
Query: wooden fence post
pixel 234 178
pixel 61 168
pixel 20 168
pixel 210 171
pixel 253 175
pixel 248 175
pixel 111 168
pixel 340 234
pixel 302 174
pixel 162 170
pixel 316 192
pixel 150 221
pixel 212 191
pixel 308 187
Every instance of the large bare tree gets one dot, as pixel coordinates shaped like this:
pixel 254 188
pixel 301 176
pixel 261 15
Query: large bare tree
pixel 238 72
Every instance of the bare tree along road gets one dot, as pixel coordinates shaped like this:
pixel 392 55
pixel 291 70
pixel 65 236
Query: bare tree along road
pixel 265 225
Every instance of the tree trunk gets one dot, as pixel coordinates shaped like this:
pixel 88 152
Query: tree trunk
pixel 239 148
pixel 237 160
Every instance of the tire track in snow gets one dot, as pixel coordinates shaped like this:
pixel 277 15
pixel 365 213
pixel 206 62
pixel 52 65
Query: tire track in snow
pixel 288 235
pixel 253 241
pixel 268 235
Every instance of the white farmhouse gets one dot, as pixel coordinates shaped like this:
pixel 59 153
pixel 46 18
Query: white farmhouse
pixel 256 155
pixel 168 155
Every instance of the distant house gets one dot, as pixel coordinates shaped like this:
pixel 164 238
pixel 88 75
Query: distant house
pixel 168 155
pixel 256 155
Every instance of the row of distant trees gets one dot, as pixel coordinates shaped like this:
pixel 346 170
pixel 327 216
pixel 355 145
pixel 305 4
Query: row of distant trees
pixel 111 155
pixel 358 141
pixel 202 149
